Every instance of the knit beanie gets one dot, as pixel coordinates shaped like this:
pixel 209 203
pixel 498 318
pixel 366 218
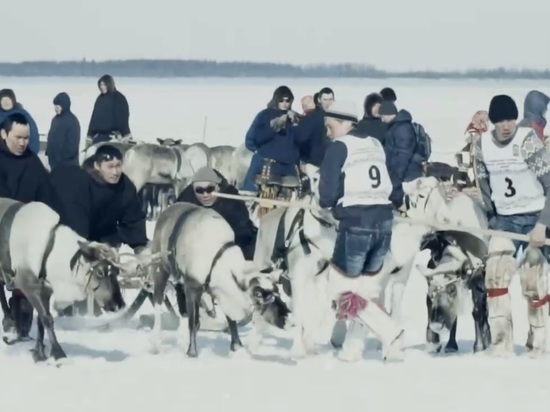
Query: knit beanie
pixel 387 108
pixel 206 174
pixel 502 108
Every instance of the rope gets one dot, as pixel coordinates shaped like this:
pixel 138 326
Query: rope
pixel 407 220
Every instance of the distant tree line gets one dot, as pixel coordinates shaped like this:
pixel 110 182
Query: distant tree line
pixel 208 68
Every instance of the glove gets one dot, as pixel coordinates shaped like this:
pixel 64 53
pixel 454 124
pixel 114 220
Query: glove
pixel 278 123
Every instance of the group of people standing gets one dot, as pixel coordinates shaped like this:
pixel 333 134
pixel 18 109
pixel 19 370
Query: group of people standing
pixel 96 199
pixel 110 116
pixel 283 139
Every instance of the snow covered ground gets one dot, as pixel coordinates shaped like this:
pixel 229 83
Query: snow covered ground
pixel 114 370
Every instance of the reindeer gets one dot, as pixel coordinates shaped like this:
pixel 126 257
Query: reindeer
pixel 456 271
pixel 41 257
pixel 204 258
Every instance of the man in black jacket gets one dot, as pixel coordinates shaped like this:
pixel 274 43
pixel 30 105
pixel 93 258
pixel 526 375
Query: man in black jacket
pixel 64 135
pixel 24 178
pixel 206 181
pixel 99 202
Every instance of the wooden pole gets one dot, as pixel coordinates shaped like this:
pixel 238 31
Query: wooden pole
pixel 408 220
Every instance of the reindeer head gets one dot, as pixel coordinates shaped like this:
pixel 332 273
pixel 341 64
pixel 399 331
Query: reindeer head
pixel 169 142
pixel 267 301
pixel 425 198
pixel 314 176
pixel 100 266
pixel 447 286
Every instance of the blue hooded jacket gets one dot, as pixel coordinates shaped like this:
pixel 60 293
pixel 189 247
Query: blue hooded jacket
pixel 534 109
pixel 34 138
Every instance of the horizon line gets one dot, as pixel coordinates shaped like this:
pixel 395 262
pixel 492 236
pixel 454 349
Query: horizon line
pixel 350 65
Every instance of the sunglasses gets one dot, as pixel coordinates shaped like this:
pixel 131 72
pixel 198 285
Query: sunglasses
pixel 203 190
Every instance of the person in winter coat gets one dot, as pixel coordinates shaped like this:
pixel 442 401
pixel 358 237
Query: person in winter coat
pixel 111 114
pixel 371 124
pixel 400 147
pixel 24 178
pixel 100 204
pixel 273 136
pixel 535 109
pixel 206 181
pixel 312 130
pixel 64 135
pixel 9 105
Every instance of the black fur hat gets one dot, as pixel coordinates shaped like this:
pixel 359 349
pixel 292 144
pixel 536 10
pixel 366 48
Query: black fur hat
pixel 388 94
pixel 106 153
pixel 370 101
pixel 502 107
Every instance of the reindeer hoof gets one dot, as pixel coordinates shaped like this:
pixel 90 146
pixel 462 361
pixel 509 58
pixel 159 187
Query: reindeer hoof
pixel 57 353
pixel 38 354
pixel 433 348
pixel 235 346
pixel 451 348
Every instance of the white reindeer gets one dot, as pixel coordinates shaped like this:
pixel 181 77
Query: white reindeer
pixel 313 285
pixel 204 257
pixel 456 272
pixel 41 257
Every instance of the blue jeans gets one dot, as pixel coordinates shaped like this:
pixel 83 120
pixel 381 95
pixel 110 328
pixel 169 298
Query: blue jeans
pixel 361 250
pixel 520 224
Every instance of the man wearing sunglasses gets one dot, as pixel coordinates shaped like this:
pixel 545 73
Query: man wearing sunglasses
pixel 204 183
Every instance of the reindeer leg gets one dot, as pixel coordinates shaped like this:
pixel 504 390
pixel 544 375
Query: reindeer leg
pixel 41 302
pixel 38 353
pixel 160 279
pixel 235 339
pixel 452 346
pixel 8 323
pixel 193 294
pixel 181 299
pixel 432 338
pixel 480 314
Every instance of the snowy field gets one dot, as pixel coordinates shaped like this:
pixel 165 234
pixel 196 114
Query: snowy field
pixel 114 370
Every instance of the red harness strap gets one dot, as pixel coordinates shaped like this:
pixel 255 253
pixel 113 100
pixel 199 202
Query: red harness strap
pixel 349 305
pixel 536 304
pixel 496 292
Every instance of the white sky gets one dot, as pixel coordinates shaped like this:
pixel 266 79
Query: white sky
pixel 390 34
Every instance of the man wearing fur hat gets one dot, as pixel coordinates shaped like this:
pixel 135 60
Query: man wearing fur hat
pixel 355 184
pixel 201 192
pixel 513 169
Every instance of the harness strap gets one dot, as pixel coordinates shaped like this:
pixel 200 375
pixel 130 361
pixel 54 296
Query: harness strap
pixel 173 239
pixel 217 257
pixel 6 223
pixel 47 251
pixel 280 251
pixel 536 304
pixel 497 292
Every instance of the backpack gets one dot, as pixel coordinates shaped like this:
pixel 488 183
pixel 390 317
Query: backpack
pixel 423 142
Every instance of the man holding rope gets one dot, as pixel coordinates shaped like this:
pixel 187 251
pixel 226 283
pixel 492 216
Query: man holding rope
pixel 355 184
pixel 513 170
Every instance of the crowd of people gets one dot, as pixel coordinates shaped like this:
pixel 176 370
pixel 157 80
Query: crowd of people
pixel 363 162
